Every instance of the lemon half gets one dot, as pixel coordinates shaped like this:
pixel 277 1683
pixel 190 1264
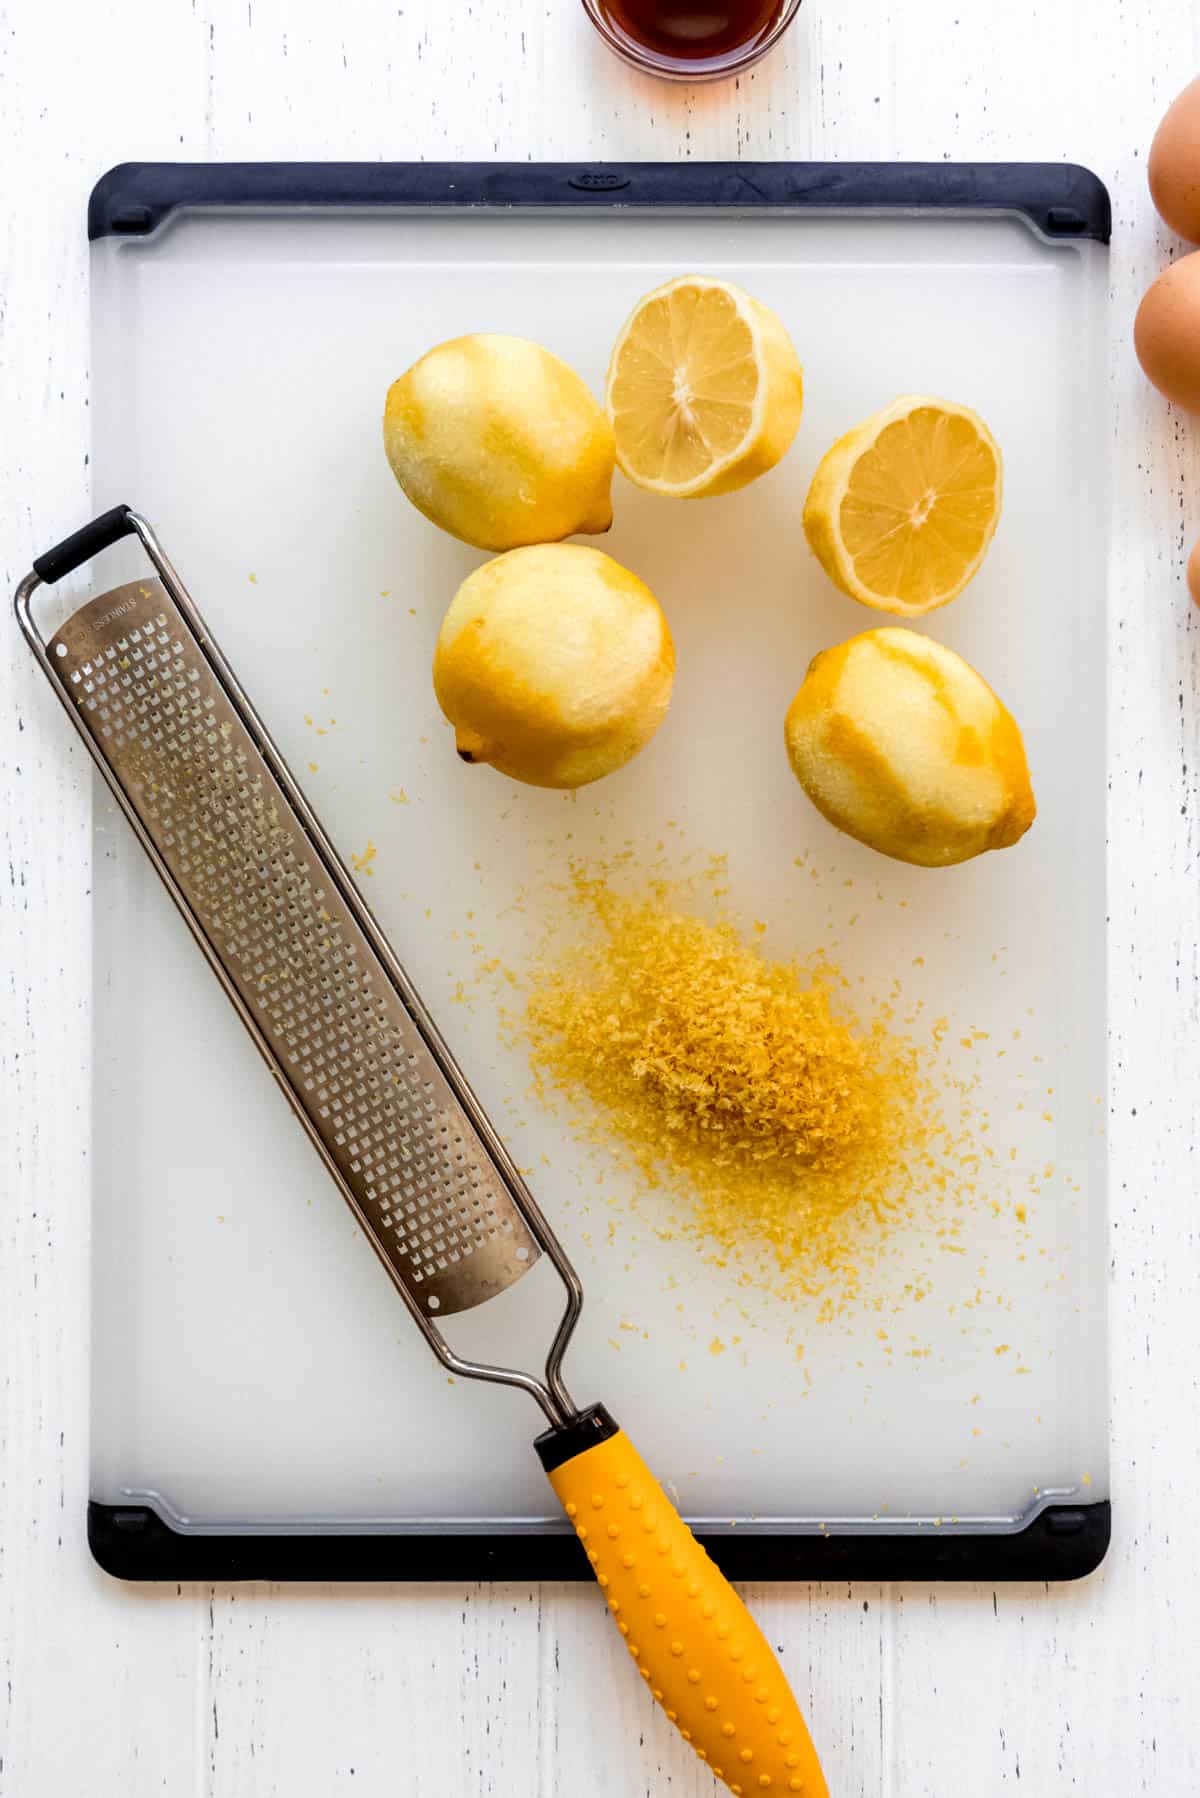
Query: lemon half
pixel 901 510
pixel 704 389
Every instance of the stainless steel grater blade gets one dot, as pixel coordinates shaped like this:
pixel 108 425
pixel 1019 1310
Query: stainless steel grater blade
pixel 349 1049
pixel 296 948
pixel 358 1058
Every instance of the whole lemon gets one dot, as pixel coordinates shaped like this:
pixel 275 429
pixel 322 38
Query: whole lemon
pixel 554 664
pixel 500 443
pixel 900 743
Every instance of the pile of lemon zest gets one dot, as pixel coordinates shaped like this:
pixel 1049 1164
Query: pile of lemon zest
pixel 792 1133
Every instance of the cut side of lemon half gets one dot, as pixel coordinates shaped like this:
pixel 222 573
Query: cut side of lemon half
pixel 901 510
pixel 704 389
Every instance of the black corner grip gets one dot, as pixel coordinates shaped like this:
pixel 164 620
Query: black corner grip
pixel 83 544
pixel 561 1444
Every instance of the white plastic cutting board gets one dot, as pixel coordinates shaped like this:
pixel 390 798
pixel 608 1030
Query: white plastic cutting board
pixel 252 1364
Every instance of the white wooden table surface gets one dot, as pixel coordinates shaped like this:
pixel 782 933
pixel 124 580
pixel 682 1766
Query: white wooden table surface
pixel 442 1690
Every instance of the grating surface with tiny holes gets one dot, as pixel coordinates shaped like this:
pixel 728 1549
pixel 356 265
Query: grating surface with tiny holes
pixel 354 1060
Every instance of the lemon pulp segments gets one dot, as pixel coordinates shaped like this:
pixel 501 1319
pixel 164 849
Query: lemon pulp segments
pixel 684 393
pixel 902 509
pixel 704 389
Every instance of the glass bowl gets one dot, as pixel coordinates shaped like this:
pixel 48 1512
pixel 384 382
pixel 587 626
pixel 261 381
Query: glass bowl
pixel 733 60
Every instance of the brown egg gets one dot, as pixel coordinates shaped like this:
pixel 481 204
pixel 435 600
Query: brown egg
pixel 1193 574
pixel 1174 166
pixel 1166 332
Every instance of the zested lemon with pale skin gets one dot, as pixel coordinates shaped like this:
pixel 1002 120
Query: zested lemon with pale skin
pixel 500 443
pixel 554 664
pixel 704 389
pixel 901 744
pixel 902 509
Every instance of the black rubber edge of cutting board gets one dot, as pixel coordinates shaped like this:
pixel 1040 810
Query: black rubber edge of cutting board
pixel 1059 200
pixel 132 1542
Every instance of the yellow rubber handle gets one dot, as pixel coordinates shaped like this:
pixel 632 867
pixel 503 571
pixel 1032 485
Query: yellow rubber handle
pixel 696 1645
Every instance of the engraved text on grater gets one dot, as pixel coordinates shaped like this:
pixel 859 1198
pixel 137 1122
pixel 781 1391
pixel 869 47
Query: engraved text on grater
pixel 120 611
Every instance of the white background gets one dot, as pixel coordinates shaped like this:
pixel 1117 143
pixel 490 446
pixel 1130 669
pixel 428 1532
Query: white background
pixel 444 1690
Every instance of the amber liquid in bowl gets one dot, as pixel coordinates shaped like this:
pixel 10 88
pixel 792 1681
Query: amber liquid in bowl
pixel 689 30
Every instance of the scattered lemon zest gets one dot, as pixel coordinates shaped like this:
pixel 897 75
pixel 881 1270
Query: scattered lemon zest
pixel 792 1133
